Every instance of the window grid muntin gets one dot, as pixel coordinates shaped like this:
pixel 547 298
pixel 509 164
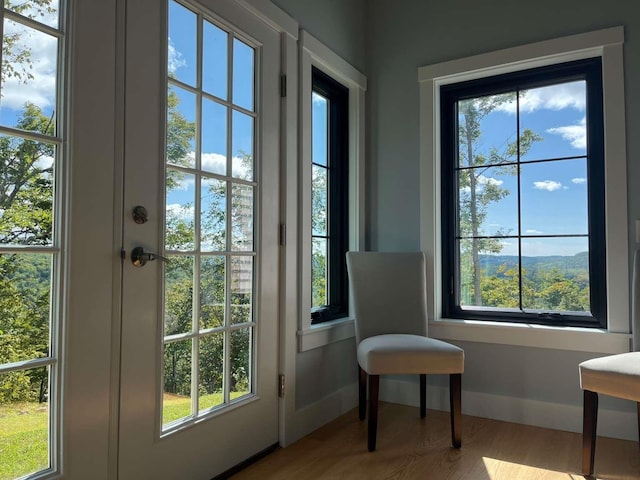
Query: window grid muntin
pixel 589 71
pixel 196 252
pixel 55 249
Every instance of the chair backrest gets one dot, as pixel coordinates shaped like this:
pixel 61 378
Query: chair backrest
pixel 389 293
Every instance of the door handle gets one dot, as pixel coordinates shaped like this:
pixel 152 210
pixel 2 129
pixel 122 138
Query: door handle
pixel 139 257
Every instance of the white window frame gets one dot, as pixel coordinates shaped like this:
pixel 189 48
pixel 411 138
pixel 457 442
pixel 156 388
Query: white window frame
pixel 606 44
pixel 315 54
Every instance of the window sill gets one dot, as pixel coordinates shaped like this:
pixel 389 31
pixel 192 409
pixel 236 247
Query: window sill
pixel 530 335
pixel 315 336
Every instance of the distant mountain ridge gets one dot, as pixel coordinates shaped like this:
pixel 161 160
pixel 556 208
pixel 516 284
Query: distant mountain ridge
pixel 566 264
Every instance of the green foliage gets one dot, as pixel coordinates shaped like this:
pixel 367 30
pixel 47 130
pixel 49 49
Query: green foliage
pixel 26 217
pixel 547 285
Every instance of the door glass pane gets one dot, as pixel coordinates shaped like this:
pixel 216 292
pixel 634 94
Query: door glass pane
pixel 243 69
pixel 25 288
pixel 211 189
pixel 242 146
pixel 214 137
pixel 213 226
pixel 182 44
pixel 44 12
pixel 212 292
pixel 24 416
pixel 177 381
pixel 180 220
pixel 214 61
pixel 29 79
pixel 181 127
pixel 210 373
pixel 240 362
pixel 242 218
pixel 241 289
pixel 178 308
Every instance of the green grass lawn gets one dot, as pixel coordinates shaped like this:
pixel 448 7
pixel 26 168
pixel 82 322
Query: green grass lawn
pixel 176 406
pixel 24 428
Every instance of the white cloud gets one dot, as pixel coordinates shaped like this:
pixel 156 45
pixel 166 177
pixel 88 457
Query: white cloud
pixel 576 135
pixel 549 185
pixel 579 181
pixel 532 231
pixel 175 59
pixel 482 180
pixel 553 97
pixel 39 90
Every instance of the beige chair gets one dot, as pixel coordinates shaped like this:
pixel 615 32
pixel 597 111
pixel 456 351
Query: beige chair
pixel 614 375
pixel 389 298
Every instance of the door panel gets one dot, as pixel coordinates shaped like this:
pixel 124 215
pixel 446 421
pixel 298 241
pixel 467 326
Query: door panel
pixel 199 332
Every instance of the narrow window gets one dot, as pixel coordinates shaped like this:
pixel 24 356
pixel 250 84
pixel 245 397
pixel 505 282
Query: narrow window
pixel 523 196
pixel 329 198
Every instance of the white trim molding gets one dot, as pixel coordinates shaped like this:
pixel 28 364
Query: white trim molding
pixel 557 416
pixel 315 54
pixel 607 44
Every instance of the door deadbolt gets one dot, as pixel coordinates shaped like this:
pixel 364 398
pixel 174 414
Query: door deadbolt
pixel 140 214
pixel 139 257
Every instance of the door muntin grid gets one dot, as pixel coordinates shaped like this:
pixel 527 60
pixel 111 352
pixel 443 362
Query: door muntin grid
pixel 210 225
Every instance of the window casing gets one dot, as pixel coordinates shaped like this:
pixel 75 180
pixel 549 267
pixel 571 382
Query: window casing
pixel 330 198
pixel 478 282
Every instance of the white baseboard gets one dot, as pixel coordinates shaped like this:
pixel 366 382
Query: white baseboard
pixel 314 416
pixel 611 423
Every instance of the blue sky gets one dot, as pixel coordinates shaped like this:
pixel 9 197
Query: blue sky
pixel 553 194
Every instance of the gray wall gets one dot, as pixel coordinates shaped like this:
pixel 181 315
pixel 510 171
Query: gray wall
pixel 340 25
pixel 406 34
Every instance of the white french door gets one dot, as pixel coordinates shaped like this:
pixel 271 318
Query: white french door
pixel 199 332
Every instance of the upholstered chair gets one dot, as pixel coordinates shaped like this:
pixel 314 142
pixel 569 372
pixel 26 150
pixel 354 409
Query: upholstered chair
pixel 389 298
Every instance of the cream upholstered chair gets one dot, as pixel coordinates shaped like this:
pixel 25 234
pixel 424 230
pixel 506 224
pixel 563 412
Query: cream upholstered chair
pixel 389 297
pixel 613 375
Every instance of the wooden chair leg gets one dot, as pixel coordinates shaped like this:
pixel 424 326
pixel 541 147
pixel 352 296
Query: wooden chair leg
pixel 638 406
pixel 455 400
pixel 423 395
pixel 362 393
pixel 589 423
pixel 374 387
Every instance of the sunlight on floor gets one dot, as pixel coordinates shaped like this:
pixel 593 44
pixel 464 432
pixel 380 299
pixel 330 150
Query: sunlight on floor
pixel 501 469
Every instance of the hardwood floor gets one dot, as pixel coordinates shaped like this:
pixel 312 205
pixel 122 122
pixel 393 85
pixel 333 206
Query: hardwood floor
pixel 410 448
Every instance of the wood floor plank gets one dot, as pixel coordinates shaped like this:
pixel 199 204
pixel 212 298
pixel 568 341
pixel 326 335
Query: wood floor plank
pixel 412 448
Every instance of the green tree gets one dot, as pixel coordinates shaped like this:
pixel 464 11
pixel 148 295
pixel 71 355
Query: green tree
pixel 477 191
pixel 26 201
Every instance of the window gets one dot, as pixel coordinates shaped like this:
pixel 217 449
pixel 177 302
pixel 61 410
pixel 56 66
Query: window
pixel 523 196
pixel 335 85
pixel 531 330
pixel 329 197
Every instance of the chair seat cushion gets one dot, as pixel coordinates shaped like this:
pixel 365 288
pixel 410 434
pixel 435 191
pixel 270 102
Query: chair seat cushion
pixel 615 375
pixel 408 354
